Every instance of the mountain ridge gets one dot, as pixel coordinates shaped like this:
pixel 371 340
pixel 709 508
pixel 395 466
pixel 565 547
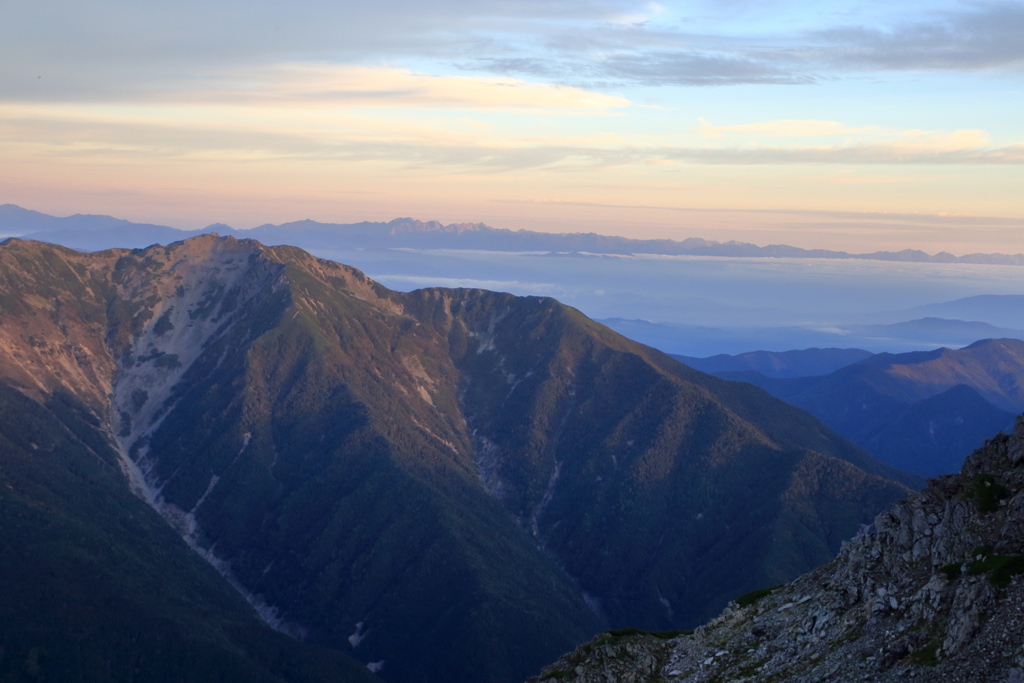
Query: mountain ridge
pixel 869 398
pixel 906 337
pixel 447 483
pixel 71 232
pixel 778 364
pixel 1000 310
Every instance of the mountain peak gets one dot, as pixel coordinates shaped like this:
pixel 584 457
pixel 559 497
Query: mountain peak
pixel 333 448
pixel 412 225
pixel 218 227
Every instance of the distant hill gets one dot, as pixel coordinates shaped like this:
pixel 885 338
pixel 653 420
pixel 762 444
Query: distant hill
pixel 701 341
pixel 797 363
pixel 15 220
pixel 936 331
pixel 931 436
pixel 92 233
pixel 890 399
pixel 1001 310
pixel 698 341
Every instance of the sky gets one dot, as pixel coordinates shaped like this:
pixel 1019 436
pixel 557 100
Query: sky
pixel 841 125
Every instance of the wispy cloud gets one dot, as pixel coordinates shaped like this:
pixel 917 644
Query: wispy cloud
pixel 834 218
pixel 686 68
pixel 346 85
pixel 786 128
pixel 403 282
pixel 978 36
pixel 988 36
pixel 247 133
pixel 928 150
pixel 58 51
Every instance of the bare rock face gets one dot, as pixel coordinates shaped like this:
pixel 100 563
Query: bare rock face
pixel 933 591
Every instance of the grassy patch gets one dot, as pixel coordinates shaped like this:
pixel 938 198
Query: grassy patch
pixel 168 360
pixel 750 669
pixel 927 655
pixel 164 324
pixel 661 635
pixel 952 570
pixel 1000 568
pixel 669 635
pixel 628 631
pixel 139 398
pixel 986 493
pixel 750 598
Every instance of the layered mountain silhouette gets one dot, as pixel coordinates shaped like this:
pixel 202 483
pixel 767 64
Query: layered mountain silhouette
pixel 1000 310
pixel 904 337
pixel 101 232
pixel 944 331
pixel 445 484
pixel 923 411
pixel 796 363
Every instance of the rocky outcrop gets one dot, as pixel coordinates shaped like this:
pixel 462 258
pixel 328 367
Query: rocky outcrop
pixel 932 591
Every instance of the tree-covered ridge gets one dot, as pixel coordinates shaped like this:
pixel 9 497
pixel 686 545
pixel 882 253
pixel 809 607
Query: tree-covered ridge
pixel 96 587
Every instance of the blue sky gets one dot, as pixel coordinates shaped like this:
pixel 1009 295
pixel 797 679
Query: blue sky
pixel 834 124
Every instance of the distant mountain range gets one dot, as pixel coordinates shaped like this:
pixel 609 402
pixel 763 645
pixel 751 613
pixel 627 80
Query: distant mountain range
pixel 934 331
pixel 445 484
pixel 798 363
pixel 999 310
pixel 911 335
pixel 922 412
pixel 92 233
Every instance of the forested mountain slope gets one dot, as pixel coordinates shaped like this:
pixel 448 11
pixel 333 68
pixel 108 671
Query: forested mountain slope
pixel 446 484
pixel 932 591
pixel 922 411
pixel 96 586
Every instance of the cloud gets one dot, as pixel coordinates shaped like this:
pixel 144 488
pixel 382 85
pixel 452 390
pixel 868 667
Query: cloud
pixel 926 152
pixel 786 128
pixel 246 134
pixel 683 68
pixel 332 85
pixel 649 11
pixel 987 38
pixel 403 282
pixel 57 50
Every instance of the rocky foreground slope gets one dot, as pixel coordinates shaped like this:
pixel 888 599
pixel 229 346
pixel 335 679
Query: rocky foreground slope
pixel 931 592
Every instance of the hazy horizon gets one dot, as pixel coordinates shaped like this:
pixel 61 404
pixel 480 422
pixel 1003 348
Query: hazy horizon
pixel 943 221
